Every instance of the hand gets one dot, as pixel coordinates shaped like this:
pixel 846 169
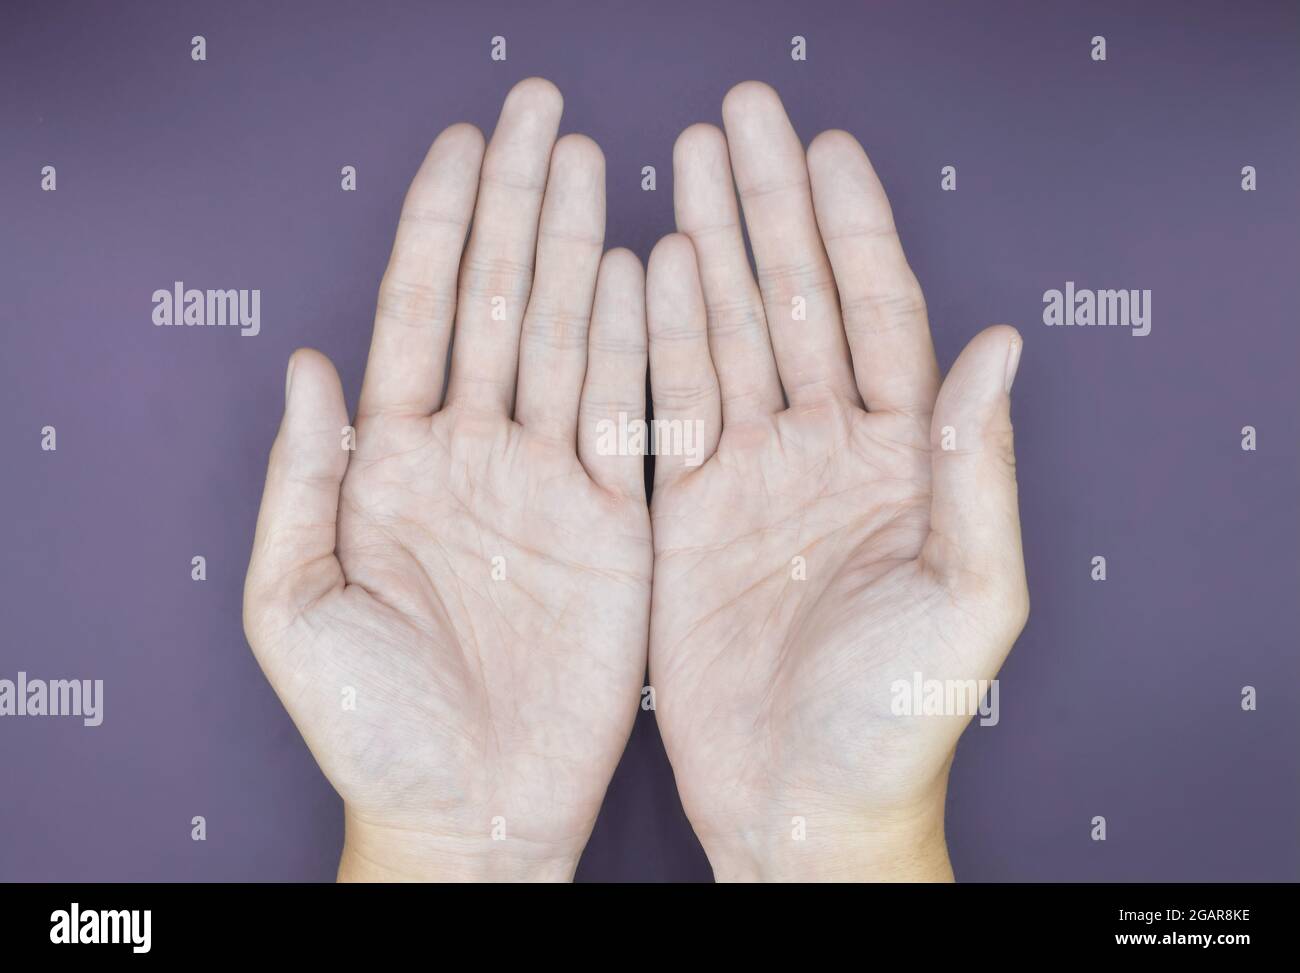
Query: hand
pixel 853 522
pixel 479 583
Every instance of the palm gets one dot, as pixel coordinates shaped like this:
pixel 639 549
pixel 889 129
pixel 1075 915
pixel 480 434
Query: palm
pixel 486 637
pixel 453 606
pixel 854 519
pixel 773 681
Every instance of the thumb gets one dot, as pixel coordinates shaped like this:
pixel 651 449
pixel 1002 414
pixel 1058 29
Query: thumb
pixel 974 516
pixel 293 559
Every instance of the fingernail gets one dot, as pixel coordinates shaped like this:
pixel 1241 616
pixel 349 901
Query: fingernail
pixel 1013 361
pixel 288 381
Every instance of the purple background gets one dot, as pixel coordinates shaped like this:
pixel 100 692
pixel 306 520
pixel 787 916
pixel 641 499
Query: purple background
pixel 1121 699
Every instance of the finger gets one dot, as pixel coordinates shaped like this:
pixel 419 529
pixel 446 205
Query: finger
pixel 794 275
pixel 683 386
pixel 293 559
pixel 974 518
pixel 497 272
pixel 613 394
pixel 417 298
pixel 705 203
pixel 880 300
pixel 553 345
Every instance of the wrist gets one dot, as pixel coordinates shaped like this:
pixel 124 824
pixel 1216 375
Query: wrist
pixel 385 853
pixel 835 848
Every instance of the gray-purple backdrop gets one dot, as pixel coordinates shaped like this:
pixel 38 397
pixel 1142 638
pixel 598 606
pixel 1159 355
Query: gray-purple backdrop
pixel 1122 698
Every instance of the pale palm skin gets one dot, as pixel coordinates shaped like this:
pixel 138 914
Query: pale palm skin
pixel 810 563
pixel 455 611
pixel 477 697
pixel 773 694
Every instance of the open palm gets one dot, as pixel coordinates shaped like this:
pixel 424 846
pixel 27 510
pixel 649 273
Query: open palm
pixel 852 524
pixel 452 599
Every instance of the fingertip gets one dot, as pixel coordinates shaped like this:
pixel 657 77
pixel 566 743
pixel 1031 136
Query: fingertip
pixel 288 379
pixel 311 378
pixel 621 266
pixel 673 252
pixel 703 195
pixel 833 145
pixel 976 389
pixel 618 312
pixel 299 357
pixel 673 295
pixel 748 97
pixel 1015 345
pixel 999 343
pixel 697 152
pixel 536 95
pixel 672 278
pixel 313 361
pixel 700 140
pixel 1002 332
pixel 579 152
pixel 462 136
pixel 975 514
pixel 620 285
pixel 458 149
